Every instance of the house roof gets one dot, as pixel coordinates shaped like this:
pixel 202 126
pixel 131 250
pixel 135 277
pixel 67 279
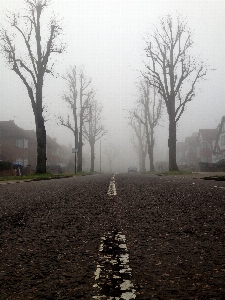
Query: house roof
pixel 10 129
pixel 31 133
pixel 192 140
pixel 208 134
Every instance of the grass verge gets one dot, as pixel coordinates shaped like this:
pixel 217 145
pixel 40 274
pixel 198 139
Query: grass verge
pixel 37 177
pixel 167 173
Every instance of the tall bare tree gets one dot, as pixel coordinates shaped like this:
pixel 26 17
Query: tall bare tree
pixel 30 60
pixel 77 100
pixel 71 99
pixel 173 71
pixel 139 140
pixel 93 130
pixel 150 109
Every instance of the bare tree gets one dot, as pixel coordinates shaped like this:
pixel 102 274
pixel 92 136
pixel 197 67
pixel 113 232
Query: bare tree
pixel 111 152
pixel 31 61
pixel 150 104
pixel 139 141
pixel 93 130
pixel 84 84
pixel 77 106
pixel 71 99
pixel 173 72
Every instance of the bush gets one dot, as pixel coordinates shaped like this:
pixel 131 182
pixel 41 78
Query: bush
pixel 5 165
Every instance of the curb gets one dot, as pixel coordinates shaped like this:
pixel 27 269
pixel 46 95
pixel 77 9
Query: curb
pixel 29 180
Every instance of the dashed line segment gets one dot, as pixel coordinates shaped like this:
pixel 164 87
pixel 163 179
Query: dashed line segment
pixel 113 274
pixel 112 187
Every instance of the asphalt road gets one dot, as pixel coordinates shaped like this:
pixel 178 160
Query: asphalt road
pixel 151 238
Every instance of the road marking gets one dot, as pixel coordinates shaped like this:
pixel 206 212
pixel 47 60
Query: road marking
pixel 113 274
pixel 112 187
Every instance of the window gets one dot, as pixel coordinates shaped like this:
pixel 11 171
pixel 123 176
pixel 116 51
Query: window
pixel 205 145
pixel 55 151
pixel 223 140
pixel 206 159
pixel 21 143
pixel 22 162
pixel 223 127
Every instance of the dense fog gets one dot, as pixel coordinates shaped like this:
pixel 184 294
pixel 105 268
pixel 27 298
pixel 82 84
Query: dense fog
pixel 106 39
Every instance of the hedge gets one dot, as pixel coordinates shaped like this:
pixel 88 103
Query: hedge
pixel 5 165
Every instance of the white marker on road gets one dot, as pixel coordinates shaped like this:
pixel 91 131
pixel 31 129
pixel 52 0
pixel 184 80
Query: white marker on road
pixel 113 274
pixel 112 187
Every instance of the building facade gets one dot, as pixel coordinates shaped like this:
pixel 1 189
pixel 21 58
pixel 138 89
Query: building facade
pixel 207 139
pixel 219 148
pixel 20 146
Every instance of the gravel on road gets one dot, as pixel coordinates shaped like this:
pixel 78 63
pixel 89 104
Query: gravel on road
pixel 174 228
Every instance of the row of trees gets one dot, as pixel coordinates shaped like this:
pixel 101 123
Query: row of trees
pixel 84 114
pixel 29 53
pixel 169 80
pixel 143 120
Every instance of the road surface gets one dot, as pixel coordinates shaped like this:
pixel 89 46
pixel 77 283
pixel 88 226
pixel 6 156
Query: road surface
pixel 106 236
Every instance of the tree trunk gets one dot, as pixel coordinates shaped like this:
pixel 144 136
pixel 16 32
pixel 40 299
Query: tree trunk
pixel 152 167
pixel 40 123
pixel 172 145
pixel 76 144
pixel 79 154
pixel 92 158
pixel 80 144
pixel 151 151
pixel 142 161
pixel 41 146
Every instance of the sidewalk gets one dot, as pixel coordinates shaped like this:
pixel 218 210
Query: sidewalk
pixel 4 182
pixel 199 175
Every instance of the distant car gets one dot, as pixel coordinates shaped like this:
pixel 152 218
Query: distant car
pixel 132 169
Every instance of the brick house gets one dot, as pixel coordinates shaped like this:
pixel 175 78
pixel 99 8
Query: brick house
pixel 192 150
pixel 181 159
pixel 57 155
pixel 14 143
pixel 20 146
pixel 207 139
pixel 219 148
pixel 188 155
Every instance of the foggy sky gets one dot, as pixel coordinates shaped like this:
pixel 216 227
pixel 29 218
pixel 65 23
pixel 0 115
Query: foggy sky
pixel 106 37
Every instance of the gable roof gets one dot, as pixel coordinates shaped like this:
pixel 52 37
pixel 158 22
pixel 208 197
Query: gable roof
pixel 208 134
pixel 191 140
pixel 10 129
